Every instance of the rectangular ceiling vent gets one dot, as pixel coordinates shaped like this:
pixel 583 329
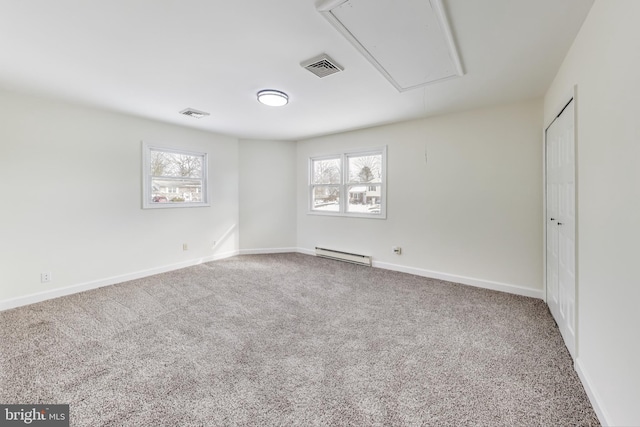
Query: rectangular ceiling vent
pixel 322 66
pixel 192 112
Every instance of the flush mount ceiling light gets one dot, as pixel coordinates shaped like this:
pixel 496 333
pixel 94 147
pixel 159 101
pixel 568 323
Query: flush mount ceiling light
pixel 273 98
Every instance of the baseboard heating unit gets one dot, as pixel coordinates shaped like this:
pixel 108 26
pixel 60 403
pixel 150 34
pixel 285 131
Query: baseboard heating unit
pixel 344 256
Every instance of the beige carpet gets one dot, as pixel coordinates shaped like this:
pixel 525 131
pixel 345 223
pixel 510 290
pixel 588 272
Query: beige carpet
pixel 290 339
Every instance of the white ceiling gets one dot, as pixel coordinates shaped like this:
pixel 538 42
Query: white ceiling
pixel 153 58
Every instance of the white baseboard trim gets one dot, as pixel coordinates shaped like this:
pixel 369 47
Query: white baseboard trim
pixel 267 251
pixel 471 281
pixel 55 293
pixel 81 287
pixel 306 251
pixel 592 394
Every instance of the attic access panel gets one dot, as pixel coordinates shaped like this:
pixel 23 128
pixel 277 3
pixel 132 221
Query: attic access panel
pixel 408 41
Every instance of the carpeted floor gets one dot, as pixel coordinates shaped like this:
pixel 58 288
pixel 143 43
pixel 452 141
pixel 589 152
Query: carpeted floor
pixel 291 339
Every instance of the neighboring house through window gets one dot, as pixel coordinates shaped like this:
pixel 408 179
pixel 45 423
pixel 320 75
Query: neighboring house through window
pixel 174 178
pixel 349 184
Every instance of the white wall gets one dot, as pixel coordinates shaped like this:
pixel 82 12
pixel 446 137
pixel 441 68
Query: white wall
pixel 604 63
pixel 267 196
pixel 471 213
pixel 71 199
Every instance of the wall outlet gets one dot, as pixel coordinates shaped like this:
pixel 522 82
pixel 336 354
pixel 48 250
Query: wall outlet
pixel 45 277
pixel 396 250
pixel 185 247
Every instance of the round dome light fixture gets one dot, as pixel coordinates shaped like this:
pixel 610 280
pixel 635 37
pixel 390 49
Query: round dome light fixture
pixel 273 98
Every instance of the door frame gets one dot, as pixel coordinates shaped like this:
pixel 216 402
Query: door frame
pixel 572 94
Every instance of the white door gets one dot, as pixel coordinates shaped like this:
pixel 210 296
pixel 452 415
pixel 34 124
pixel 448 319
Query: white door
pixel 561 219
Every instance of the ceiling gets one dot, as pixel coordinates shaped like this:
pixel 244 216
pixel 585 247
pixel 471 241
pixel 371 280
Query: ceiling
pixel 153 58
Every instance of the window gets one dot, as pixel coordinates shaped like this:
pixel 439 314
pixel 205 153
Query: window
pixel 349 184
pixel 173 178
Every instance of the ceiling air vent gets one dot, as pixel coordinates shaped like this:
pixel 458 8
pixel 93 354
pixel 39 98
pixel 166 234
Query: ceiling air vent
pixel 191 112
pixel 322 66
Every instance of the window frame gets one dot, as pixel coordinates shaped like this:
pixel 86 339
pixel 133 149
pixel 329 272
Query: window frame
pixel 147 178
pixel 344 184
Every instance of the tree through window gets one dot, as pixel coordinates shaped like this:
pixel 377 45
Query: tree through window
pixel 174 178
pixel 348 184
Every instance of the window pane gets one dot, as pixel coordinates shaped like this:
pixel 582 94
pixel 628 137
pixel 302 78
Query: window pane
pixel 365 168
pixel 364 199
pixel 326 198
pixel 326 171
pixel 165 163
pixel 174 178
pixel 176 190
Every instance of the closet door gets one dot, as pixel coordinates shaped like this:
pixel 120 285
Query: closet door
pixel 560 230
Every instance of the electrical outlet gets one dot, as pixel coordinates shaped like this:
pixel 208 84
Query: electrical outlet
pixel 45 277
pixel 185 247
pixel 396 250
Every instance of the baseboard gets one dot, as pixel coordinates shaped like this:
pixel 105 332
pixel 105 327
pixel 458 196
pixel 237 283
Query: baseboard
pixel 55 293
pixel 471 281
pixel 267 251
pixel 81 287
pixel 306 251
pixel 592 394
